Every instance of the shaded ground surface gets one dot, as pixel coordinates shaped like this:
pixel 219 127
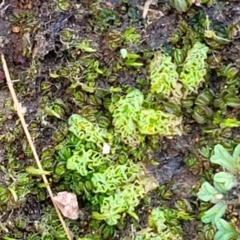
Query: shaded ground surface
pixel 33 40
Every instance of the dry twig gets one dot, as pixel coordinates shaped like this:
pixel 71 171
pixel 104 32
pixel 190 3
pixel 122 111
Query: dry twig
pixel 30 141
pixel 146 7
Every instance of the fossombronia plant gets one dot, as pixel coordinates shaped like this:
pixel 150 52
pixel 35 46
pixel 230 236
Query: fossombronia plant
pixel 194 68
pixel 133 122
pixel 166 80
pixel 112 187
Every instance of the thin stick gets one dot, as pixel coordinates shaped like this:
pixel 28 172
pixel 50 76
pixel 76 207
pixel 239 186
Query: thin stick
pixel 146 7
pixel 23 122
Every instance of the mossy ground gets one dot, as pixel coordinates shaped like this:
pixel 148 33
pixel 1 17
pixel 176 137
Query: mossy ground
pixel 52 46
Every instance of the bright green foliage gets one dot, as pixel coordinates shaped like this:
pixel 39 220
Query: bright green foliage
pixel 215 213
pixel 112 183
pixel 223 158
pixel 35 171
pixel 87 131
pixel 223 183
pixel 163 74
pixel 226 122
pixel 132 121
pixel 127 194
pixel 157 122
pixel 125 199
pixel 226 231
pixel 130 36
pixel 85 162
pixel 194 68
pixel 158 229
pixel 115 175
pixel 125 114
pixel 167 81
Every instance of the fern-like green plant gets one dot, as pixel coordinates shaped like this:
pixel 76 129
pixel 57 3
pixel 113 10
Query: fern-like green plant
pixel 163 75
pixel 194 68
pixel 125 113
pixel 85 162
pixel 115 175
pixel 151 122
pixel 125 199
pixel 166 80
pixel 87 131
pixel 113 187
pixel 133 122
pixel 158 227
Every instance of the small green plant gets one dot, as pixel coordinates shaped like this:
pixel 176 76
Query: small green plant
pixel 111 182
pixel 226 231
pixel 180 5
pixel 220 193
pixel 226 122
pixel 166 80
pixel 160 226
pixel 164 76
pixel 130 59
pixel 194 68
pixel 130 36
pixel 133 122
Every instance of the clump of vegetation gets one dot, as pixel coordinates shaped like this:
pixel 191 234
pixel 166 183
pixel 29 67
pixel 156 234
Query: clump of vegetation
pixel 112 184
pixel 160 226
pixel 223 192
pixel 166 80
pixel 194 68
pixel 136 107
pixel 163 74
pixel 134 122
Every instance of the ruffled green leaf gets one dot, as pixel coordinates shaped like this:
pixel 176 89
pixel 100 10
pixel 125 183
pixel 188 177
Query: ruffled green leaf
pixel 163 75
pixel 208 193
pixel 85 162
pixel 222 157
pixel 125 112
pixel 157 122
pixel 226 231
pixel 194 68
pixel 227 180
pixel 215 213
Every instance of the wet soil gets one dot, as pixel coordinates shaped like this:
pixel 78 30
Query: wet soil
pixel 31 42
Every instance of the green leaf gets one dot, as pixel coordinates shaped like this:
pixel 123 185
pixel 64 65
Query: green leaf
pixel 194 68
pixel 180 5
pixel 215 213
pixel 133 214
pixel 228 180
pixel 222 157
pixel 131 63
pixel 14 194
pixel 54 75
pixel 230 123
pixel 236 153
pixel 87 88
pixel 220 187
pixel 49 111
pixel 35 171
pixel 208 193
pixel 226 231
pixel 84 46
pixel 124 53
